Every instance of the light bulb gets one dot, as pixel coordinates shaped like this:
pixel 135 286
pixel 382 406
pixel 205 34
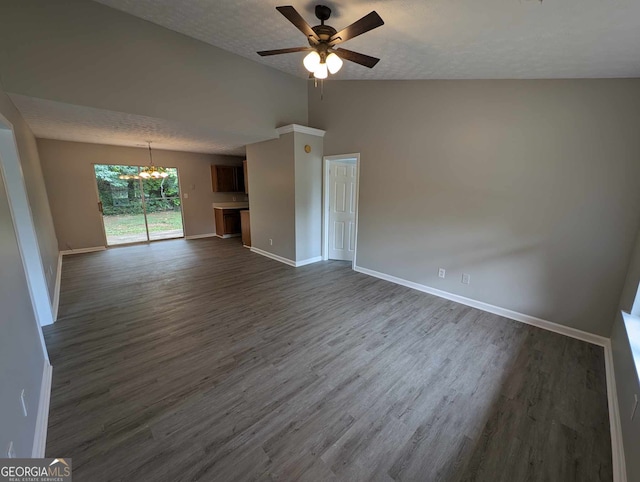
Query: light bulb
pixel 311 61
pixel 321 72
pixel 334 63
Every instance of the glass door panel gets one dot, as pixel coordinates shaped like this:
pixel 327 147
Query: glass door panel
pixel 137 209
pixel 162 200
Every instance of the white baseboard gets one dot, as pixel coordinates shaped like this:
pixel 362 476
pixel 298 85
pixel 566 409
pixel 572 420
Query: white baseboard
pixel 617 448
pixel 42 419
pixel 56 290
pixel 273 256
pixel 83 250
pixel 513 315
pixel 287 261
pixel 198 236
pixel 227 236
pixel 307 261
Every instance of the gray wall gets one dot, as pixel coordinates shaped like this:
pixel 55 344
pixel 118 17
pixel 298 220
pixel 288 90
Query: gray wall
pixel 71 184
pixel 627 382
pixel 36 191
pixel 529 186
pixel 96 56
pixel 270 165
pixel 308 194
pixel 21 351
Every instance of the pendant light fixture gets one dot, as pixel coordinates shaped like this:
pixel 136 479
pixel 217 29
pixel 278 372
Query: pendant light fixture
pixel 151 171
pixel 147 172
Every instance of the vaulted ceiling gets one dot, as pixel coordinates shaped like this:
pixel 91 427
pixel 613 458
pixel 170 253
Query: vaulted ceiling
pixel 427 39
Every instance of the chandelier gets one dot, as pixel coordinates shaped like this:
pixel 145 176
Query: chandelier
pixel 147 172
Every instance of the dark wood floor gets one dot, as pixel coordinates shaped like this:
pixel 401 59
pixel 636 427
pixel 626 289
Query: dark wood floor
pixel 199 360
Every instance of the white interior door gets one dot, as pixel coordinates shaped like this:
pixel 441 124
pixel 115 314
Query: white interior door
pixel 342 209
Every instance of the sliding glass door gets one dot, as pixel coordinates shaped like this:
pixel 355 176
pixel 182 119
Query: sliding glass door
pixel 137 209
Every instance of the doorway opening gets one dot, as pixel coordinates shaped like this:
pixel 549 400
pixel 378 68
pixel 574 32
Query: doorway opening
pixel 340 207
pixel 136 209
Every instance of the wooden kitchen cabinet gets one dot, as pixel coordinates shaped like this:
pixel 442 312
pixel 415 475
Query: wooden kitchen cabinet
pixel 245 222
pixel 227 222
pixel 227 179
pixel 246 177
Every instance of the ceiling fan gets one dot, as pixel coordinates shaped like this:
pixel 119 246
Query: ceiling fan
pixel 323 57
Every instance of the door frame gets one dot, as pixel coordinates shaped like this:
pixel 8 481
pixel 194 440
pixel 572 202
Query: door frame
pixel 25 229
pixel 326 171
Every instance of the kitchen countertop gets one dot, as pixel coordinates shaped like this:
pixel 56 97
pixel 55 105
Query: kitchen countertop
pixel 236 205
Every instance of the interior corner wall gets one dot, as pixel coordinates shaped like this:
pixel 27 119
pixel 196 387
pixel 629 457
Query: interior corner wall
pixel 270 167
pixel 308 196
pixel 36 190
pixel 84 53
pixel 528 186
pixel 22 358
pixel 73 196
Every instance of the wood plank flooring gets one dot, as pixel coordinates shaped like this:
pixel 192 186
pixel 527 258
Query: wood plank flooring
pixel 199 360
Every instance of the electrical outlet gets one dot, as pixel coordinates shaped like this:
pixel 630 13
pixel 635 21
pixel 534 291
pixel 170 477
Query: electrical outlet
pixel 186 195
pixel 234 198
pixel 441 273
pixel 466 278
pixel 23 402
pixel 635 405
pixel 11 452
pixel 270 242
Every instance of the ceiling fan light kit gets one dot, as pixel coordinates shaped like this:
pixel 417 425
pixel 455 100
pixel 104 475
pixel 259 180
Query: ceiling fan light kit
pixel 323 58
pixel 334 63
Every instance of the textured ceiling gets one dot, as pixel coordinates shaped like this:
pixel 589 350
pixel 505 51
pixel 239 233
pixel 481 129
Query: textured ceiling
pixel 427 39
pixel 56 120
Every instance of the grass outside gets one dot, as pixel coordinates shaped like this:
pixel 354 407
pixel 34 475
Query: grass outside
pixel 131 224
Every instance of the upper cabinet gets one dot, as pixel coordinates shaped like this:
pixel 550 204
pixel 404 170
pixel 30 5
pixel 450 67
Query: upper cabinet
pixel 246 177
pixel 227 178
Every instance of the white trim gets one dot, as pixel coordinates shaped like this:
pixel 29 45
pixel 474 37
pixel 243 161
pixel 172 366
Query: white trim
pixel 307 261
pixel 42 419
pixel 83 250
pixel 22 217
pixel 273 256
pixel 56 289
pixel 355 241
pixel 199 236
pixel 617 448
pixel 227 236
pixel 97 192
pixel 513 315
pixel 287 261
pixel 326 160
pixel 301 129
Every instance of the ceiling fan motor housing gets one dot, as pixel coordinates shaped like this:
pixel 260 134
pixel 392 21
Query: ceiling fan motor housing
pixel 323 13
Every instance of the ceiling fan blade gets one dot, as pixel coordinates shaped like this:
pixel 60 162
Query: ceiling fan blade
pixel 366 23
pixel 265 53
pixel 295 18
pixel 361 59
